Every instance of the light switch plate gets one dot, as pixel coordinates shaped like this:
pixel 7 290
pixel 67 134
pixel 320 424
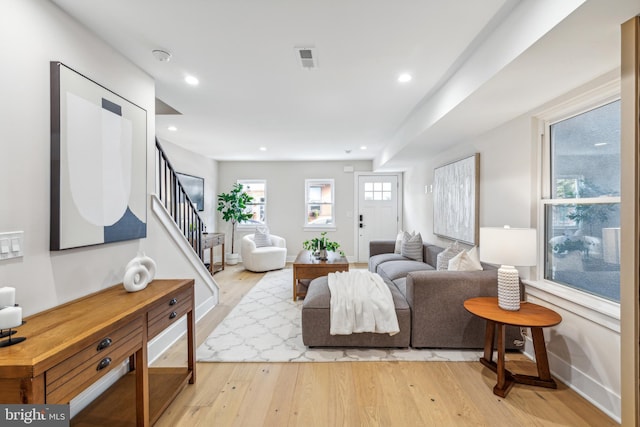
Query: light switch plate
pixel 11 245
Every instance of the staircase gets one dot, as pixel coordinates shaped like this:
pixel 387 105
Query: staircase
pixel 177 203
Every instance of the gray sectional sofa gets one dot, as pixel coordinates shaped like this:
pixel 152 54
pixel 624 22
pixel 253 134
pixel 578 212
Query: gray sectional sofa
pixel 429 304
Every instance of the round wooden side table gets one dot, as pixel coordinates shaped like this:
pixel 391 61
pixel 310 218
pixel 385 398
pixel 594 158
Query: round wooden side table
pixel 531 316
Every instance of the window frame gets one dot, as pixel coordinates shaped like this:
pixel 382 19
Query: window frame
pixel 245 182
pixel 307 184
pixel 601 310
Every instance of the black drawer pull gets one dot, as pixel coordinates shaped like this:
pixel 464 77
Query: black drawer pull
pixel 173 301
pixel 104 344
pixel 103 363
pixel 173 315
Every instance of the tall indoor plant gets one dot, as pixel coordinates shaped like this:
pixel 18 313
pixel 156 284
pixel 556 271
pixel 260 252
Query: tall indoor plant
pixel 233 206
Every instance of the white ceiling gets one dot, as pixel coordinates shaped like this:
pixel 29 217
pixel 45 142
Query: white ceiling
pixel 480 63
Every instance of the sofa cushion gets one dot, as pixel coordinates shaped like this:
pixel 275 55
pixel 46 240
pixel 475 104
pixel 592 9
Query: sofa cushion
pixel 431 254
pixel 401 284
pixel 412 246
pixel 400 268
pixel 376 260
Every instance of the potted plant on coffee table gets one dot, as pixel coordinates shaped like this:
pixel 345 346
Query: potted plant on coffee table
pixel 233 206
pixel 319 246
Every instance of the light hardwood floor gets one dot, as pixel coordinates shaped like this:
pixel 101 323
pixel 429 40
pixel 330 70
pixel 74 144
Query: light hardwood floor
pixel 358 393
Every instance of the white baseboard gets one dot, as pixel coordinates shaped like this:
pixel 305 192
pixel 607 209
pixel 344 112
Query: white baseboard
pixel 586 386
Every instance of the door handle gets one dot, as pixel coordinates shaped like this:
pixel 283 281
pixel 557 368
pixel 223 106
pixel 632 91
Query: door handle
pixel 361 219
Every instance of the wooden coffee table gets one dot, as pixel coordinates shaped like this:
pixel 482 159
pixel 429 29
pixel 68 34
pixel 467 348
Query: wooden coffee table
pixel 307 267
pixel 531 316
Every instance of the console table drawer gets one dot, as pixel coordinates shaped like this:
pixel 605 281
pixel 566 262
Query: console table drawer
pixel 212 239
pixel 65 380
pixel 168 311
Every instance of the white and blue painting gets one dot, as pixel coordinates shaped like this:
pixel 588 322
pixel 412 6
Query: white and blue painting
pixel 102 154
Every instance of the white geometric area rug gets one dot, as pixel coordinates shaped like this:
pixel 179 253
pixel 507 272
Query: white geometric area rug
pixel 265 327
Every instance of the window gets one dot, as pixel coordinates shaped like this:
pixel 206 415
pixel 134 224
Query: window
pixel 258 207
pixel 319 203
pixel 582 202
pixel 377 191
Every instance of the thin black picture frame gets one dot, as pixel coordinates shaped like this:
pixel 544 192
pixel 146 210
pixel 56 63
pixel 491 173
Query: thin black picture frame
pixel 97 138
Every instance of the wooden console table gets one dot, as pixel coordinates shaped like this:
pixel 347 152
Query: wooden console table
pixel 210 241
pixel 531 316
pixel 307 267
pixel 71 346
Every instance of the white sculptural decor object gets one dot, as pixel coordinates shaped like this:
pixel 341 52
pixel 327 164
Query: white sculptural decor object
pixel 508 247
pixel 138 273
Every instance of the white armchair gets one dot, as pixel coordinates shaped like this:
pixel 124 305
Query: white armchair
pixel 265 258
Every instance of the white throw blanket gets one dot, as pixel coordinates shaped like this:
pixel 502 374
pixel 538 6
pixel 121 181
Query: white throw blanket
pixel 361 302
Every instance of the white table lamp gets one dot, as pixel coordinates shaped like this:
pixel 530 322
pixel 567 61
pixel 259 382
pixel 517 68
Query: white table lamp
pixel 508 247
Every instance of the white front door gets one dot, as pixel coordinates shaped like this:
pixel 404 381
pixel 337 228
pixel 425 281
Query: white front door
pixel 377 213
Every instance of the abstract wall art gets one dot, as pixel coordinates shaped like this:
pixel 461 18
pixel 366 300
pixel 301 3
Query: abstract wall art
pixel 456 200
pixel 98 163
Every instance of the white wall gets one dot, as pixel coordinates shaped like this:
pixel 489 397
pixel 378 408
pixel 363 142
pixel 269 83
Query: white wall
pixel 505 180
pixel 582 352
pixel 285 198
pixel 33 33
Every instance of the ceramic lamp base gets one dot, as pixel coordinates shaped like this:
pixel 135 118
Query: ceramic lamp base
pixel 508 288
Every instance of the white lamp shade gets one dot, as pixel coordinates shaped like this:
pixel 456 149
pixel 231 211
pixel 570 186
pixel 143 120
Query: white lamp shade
pixel 508 246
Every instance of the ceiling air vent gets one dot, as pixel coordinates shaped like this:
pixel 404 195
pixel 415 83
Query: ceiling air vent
pixel 307 57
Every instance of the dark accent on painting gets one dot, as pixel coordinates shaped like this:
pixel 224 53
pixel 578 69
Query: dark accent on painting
pixel 111 106
pixel 126 228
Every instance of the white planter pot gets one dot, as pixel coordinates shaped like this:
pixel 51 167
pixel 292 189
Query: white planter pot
pixel 231 259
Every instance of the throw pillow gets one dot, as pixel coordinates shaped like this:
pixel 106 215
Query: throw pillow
pixel 262 238
pixel 398 248
pixel 465 261
pixel 412 246
pixel 443 258
pixel 475 257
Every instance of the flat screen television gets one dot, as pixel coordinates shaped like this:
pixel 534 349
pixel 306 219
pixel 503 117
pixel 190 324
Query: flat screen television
pixel 194 186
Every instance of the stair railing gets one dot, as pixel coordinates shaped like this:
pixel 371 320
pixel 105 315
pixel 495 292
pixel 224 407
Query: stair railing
pixel 177 202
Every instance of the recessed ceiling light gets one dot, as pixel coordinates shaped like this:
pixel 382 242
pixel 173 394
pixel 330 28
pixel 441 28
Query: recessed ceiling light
pixel 263 148
pixel 191 80
pixel 600 144
pixel 363 147
pixel 172 128
pixel 404 78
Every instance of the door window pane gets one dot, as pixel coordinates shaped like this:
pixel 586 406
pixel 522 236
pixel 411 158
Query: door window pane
pixel 380 191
